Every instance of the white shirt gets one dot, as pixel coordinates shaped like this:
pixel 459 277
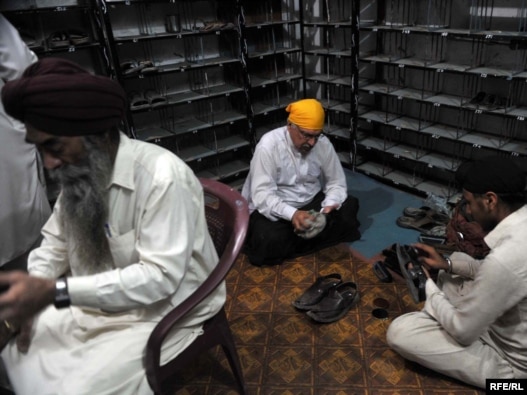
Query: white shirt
pixel 159 240
pixel 24 207
pixel 281 179
pixel 495 304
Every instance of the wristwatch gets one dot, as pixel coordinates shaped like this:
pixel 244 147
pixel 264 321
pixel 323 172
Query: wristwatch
pixel 62 297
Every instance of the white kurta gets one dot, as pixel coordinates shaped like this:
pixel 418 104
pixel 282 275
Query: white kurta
pixel 162 252
pixel 24 207
pixel 281 179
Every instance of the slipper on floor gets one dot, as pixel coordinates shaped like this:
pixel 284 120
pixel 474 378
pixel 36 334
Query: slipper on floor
pixel 426 212
pixel 317 291
pixel 336 303
pixel 412 272
pixel 425 225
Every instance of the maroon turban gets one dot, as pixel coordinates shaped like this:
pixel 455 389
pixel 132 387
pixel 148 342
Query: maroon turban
pixel 59 97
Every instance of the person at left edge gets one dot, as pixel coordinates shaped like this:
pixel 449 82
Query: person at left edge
pixel 115 289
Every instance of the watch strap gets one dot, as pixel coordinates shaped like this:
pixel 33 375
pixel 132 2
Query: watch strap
pixel 62 296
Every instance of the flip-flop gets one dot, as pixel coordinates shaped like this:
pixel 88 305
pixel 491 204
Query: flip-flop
pixel 425 225
pixel 426 212
pixel 414 275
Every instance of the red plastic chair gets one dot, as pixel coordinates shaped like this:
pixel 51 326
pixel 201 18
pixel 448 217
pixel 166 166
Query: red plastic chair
pixel 227 219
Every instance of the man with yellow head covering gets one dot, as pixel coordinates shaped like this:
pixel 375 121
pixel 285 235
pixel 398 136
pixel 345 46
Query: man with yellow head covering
pixel 297 191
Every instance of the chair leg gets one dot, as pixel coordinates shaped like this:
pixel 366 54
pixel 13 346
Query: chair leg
pixel 234 362
pixel 231 353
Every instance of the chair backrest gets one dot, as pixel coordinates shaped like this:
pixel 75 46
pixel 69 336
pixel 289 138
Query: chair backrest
pixel 227 217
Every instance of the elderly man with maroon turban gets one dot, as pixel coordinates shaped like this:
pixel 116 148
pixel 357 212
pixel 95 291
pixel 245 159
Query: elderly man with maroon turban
pixel 297 191
pixel 127 241
pixel 473 326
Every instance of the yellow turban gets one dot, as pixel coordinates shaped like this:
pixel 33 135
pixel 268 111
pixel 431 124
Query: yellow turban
pixel 307 113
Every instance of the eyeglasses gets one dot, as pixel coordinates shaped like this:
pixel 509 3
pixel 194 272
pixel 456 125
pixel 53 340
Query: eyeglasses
pixel 307 136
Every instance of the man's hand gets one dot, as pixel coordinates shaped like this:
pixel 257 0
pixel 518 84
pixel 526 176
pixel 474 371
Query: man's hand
pixel 328 209
pixel 430 257
pixel 302 220
pixel 25 295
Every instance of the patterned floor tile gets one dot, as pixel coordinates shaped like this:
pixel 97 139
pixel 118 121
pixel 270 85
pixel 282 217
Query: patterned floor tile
pixel 284 352
pixel 340 366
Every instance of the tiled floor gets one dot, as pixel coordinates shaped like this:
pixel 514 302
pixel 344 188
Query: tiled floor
pixel 283 352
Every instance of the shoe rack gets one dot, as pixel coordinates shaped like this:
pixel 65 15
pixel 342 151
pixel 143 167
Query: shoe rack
pixel 272 54
pixel 69 29
pixel 331 67
pixel 179 62
pixel 441 82
pixel 207 78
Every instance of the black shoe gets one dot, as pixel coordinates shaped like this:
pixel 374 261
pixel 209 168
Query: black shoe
pixel 412 272
pixel 317 291
pixel 336 303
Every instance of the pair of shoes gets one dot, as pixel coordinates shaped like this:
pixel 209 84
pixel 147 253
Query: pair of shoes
pixel 215 25
pixel 65 38
pixel 133 67
pixel 424 219
pixel 412 271
pixel 425 211
pixel 426 225
pixel 148 99
pixel 490 101
pixel 478 99
pixel 328 299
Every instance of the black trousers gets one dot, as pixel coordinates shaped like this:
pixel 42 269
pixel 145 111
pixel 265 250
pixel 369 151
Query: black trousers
pixel 270 242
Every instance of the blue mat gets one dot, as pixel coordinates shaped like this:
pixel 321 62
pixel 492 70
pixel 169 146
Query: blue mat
pixel 379 207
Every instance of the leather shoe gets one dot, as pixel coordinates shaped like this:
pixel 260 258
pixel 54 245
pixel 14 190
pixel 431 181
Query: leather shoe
pixel 336 304
pixel 412 272
pixel 317 291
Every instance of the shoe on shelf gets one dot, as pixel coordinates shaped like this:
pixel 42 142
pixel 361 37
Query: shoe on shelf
pixel 138 101
pixel 58 39
pixel 478 99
